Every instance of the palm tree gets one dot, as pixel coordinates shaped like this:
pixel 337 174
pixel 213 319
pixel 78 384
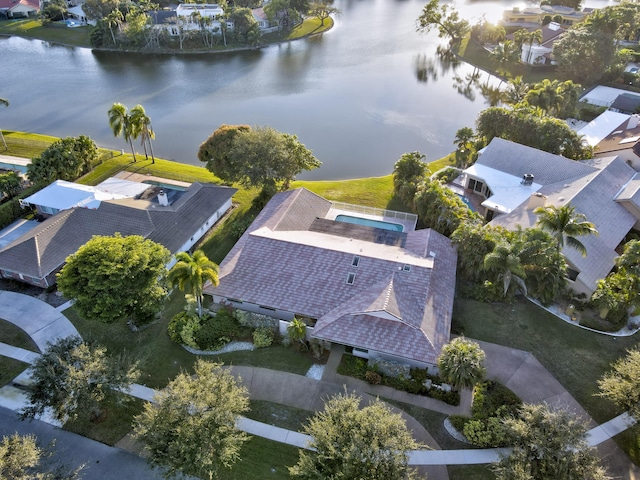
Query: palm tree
pixel 516 91
pixel 191 272
pixel 505 262
pixel 5 102
pixel 533 37
pixel 565 225
pixel 120 123
pixel 461 363
pixel 504 54
pixel 142 127
pixel 114 19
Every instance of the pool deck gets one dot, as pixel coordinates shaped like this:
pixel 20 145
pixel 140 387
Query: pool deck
pixel 407 225
pixel 137 177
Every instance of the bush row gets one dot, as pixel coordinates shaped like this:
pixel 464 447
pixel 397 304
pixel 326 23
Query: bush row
pixel 10 211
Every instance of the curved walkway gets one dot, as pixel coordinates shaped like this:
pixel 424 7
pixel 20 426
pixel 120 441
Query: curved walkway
pixel 42 322
pixel 518 370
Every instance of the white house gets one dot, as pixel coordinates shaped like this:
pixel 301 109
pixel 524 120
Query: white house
pixel 19 8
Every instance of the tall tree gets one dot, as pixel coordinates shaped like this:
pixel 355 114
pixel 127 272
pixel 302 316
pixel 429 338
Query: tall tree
pixel 352 443
pixel 10 184
pixel 4 102
pixel 446 19
pixel 565 224
pixel 322 10
pixel 461 363
pixel 256 157
pixel 621 385
pixel 73 377
pixel 99 9
pixel 65 159
pixel 505 263
pixel 21 458
pixel 116 279
pixel 121 124
pixel 191 272
pixel 142 128
pixel 547 444
pixel 504 54
pixel 190 428
pixel 408 174
pixel 516 91
pixel 114 20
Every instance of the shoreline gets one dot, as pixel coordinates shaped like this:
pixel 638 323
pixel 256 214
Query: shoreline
pixel 175 52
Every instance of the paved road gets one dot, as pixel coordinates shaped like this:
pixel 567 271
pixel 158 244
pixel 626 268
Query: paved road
pixel 102 462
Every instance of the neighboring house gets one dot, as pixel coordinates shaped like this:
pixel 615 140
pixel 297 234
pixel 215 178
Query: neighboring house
pixel 19 8
pixel 534 16
pixel 183 18
pixel 614 133
pixel 62 195
pixel 388 294
pixel 515 179
pixel 628 103
pixel 175 219
pixel 540 53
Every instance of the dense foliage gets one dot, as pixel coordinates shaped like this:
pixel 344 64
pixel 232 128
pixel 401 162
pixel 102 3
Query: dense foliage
pixel 116 278
pixel 445 19
pixel 65 159
pixel 409 172
pixel 190 428
pixel 622 384
pixel 73 377
pixel 353 443
pixel 461 363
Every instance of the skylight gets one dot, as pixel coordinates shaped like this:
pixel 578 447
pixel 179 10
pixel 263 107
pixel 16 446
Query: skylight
pixel 351 278
pixel 356 261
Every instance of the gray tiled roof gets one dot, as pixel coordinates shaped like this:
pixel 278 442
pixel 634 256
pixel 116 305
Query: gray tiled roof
pixel 593 195
pixel 404 313
pixel 516 159
pixel 631 192
pixel 44 249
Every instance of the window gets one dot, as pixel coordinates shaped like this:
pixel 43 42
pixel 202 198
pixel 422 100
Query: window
pixel 355 261
pixel 572 274
pixel 351 278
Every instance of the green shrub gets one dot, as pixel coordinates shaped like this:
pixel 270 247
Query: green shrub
pixel 452 398
pixel 448 175
pixel 485 433
pixel 263 337
pixel 458 422
pixel 182 329
pixel 491 397
pixel 372 377
pixel 217 331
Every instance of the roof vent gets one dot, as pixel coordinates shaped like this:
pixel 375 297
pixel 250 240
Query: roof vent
pixel 527 179
pixel 633 122
pixel 163 199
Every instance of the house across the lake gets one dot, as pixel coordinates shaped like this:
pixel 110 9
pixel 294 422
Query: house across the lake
pixel 174 217
pixel 512 180
pixel 357 276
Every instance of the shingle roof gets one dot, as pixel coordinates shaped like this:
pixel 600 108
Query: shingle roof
pixel 515 159
pixel 626 102
pixel 44 249
pixel 387 308
pixel 593 195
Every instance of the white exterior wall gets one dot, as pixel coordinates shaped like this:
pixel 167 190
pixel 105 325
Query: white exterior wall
pixel 252 307
pixel 21 11
pixel 283 325
pixel 627 155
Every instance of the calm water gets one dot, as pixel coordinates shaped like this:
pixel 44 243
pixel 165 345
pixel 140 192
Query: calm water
pixel 352 95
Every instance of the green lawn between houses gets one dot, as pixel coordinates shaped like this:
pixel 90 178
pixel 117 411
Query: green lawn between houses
pixel 576 357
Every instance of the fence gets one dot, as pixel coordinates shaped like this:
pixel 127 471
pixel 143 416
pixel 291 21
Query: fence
pixel 379 212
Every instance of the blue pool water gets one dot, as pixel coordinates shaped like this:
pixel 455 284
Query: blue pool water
pixel 367 222
pixel 467 202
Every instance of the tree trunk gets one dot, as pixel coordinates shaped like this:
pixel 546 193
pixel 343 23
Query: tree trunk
pixel 133 151
pixel 3 141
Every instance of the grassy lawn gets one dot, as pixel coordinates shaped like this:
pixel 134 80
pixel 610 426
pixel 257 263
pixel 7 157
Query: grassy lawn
pixel 26 145
pixel 576 357
pixel 12 335
pixel 279 415
pixel 470 472
pixel 262 459
pixel 53 32
pixel 10 369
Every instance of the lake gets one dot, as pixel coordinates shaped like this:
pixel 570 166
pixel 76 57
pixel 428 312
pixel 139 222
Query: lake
pixel 353 95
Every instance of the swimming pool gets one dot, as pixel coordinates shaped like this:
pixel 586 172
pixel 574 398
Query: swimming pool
pixel 467 202
pixel 367 222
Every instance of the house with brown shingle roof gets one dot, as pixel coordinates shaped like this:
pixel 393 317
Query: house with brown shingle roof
pixel 175 221
pixel 386 292
pixel 615 133
pixel 515 179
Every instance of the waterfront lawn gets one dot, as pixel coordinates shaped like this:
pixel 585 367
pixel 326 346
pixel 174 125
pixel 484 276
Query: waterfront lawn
pixel 371 192
pixel 26 145
pixel 53 32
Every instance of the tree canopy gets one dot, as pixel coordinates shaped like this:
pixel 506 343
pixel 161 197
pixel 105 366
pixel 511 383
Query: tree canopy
pixel 524 127
pixel 256 157
pixel 10 184
pixel 191 426
pixel 409 173
pixel 191 272
pixel 65 159
pixel 547 444
pixel 445 18
pixel 621 385
pixel 353 443
pixel 461 363
pixel 116 278
pixel 21 458
pixel 72 376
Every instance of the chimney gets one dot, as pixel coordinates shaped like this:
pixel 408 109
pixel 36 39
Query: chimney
pixel 536 200
pixel 162 199
pixel 527 179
